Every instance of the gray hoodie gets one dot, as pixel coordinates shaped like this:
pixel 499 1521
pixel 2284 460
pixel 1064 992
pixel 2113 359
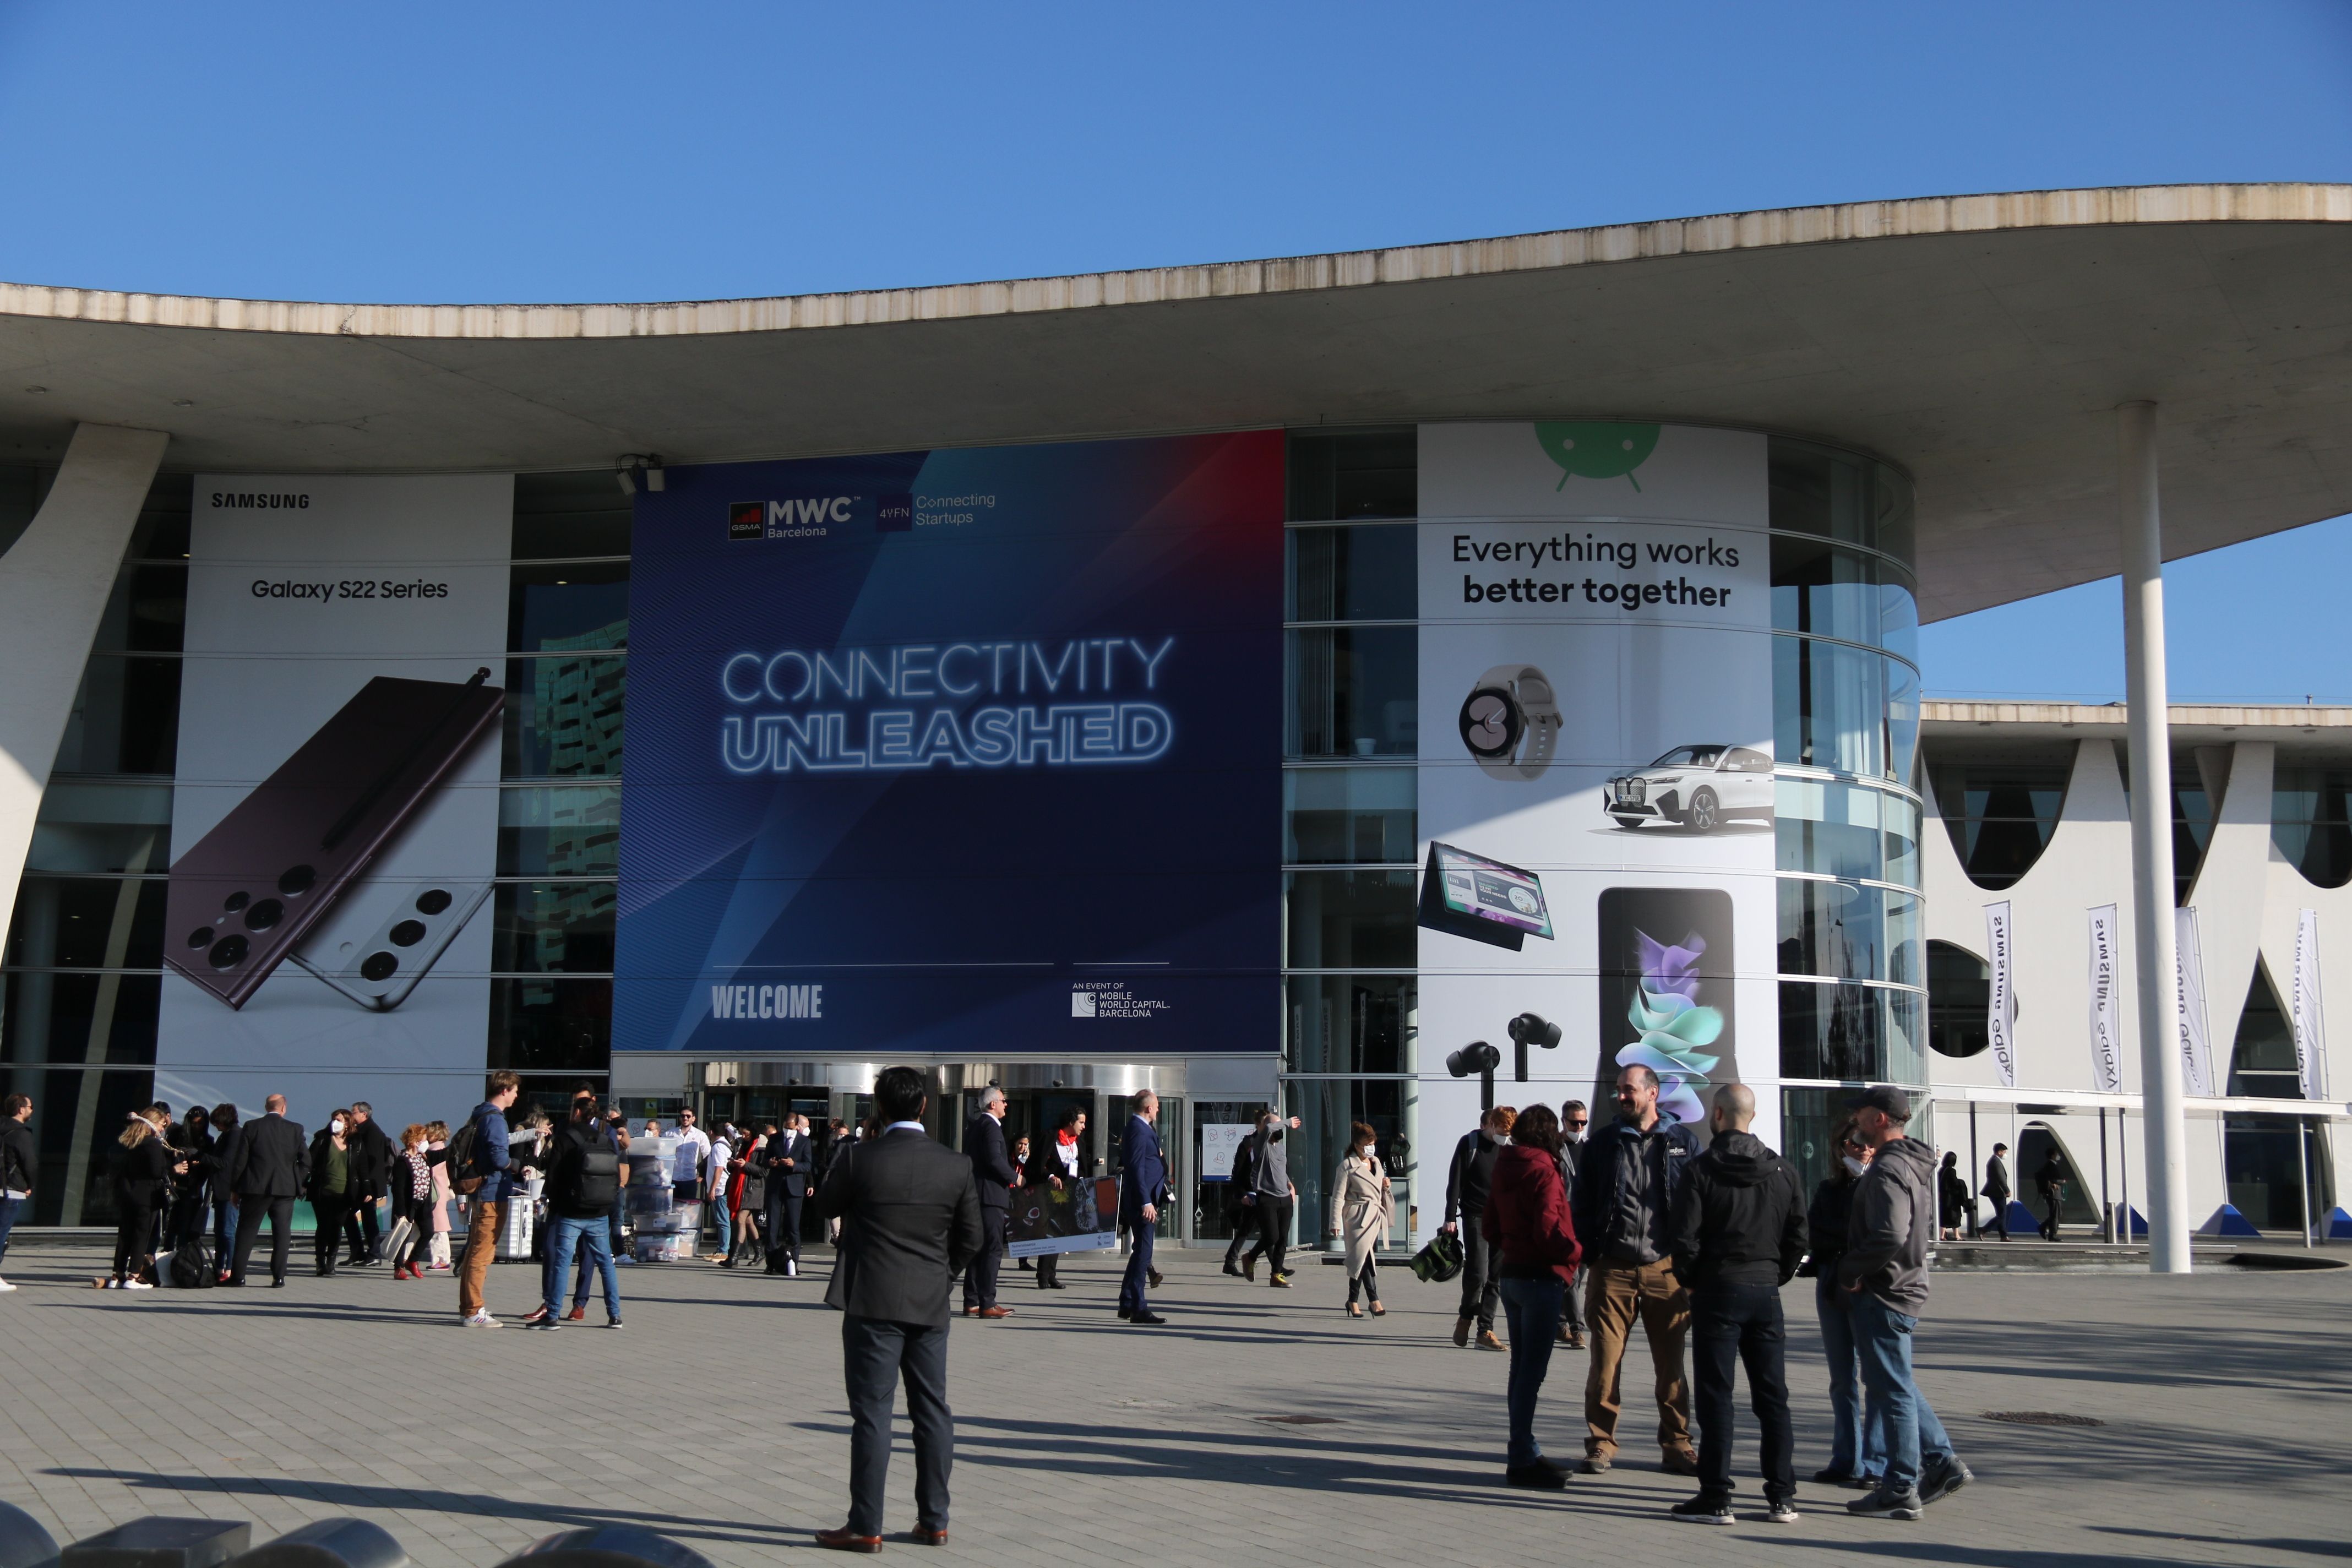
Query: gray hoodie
pixel 1893 1220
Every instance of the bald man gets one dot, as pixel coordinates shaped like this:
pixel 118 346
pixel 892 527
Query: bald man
pixel 1738 1233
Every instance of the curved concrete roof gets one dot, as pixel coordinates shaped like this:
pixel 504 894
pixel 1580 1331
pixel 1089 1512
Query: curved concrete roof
pixel 1980 342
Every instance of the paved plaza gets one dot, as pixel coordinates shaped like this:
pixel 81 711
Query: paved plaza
pixel 716 1417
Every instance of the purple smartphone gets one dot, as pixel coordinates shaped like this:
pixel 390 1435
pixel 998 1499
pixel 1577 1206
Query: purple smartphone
pixel 245 894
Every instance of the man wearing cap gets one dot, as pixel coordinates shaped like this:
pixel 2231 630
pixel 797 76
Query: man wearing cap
pixel 1885 1268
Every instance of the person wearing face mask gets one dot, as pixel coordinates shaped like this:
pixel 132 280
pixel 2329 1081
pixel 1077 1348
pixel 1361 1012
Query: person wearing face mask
pixel 1467 1179
pixel 1271 1196
pixel 1575 1126
pixel 1857 1455
pixel 333 1187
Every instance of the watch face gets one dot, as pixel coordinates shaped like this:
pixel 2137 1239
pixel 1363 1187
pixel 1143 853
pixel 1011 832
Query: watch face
pixel 1525 902
pixel 1491 723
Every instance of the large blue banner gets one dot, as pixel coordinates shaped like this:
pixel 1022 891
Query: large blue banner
pixel 963 753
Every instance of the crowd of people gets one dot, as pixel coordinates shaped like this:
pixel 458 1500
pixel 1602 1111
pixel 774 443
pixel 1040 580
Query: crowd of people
pixel 1566 1236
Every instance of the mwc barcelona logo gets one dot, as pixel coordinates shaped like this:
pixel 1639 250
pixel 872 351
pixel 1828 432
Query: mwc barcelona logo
pixel 1596 450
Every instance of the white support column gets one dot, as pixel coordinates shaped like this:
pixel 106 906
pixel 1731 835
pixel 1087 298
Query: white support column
pixel 54 583
pixel 2140 526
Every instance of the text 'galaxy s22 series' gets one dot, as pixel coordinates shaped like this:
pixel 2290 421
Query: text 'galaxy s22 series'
pixel 245 894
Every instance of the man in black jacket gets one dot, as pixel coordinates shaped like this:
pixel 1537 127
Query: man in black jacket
pixel 1997 1188
pixel 583 1187
pixel 1623 1202
pixel 1737 1236
pixel 19 1159
pixel 372 1178
pixel 1575 1130
pixel 992 1176
pixel 910 1219
pixel 1466 1179
pixel 790 1160
pixel 273 1167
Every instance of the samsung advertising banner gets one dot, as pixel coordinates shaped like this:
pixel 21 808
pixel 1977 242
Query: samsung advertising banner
pixel 970 752
pixel 335 817
pixel 2106 1054
pixel 1596 793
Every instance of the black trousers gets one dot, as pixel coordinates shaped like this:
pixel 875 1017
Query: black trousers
pixel 1049 1266
pixel 2000 1213
pixel 2049 1209
pixel 134 1238
pixel 876 1356
pixel 1741 1323
pixel 334 1214
pixel 250 1208
pixel 1481 1294
pixel 366 1228
pixel 783 1228
pixel 1273 1231
pixel 1369 1282
pixel 979 1278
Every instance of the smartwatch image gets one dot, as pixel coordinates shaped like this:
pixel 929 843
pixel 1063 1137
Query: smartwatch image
pixel 1511 722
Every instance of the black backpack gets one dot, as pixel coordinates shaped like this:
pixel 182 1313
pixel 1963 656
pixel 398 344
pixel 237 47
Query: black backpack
pixel 192 1266
pixel 462 1180
pixel 587 1172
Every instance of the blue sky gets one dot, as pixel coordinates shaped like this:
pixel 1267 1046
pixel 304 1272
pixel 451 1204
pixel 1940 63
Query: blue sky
pixel 434 152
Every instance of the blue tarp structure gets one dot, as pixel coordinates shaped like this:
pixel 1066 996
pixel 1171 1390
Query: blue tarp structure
pixel 2228 1222
pixel 2339 1224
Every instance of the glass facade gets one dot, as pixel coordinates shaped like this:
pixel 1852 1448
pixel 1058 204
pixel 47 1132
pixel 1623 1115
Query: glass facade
pixel 81 978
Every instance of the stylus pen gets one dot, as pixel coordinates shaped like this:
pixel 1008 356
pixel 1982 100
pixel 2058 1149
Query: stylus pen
pixel 391 775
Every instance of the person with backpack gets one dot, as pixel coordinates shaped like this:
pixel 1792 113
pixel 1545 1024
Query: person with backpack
pixel 480 1171
pixel 583 1184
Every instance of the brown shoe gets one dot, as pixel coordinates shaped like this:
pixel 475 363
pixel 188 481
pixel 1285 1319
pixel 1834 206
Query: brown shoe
pixel 1249 1269
pixel 1461 1330
pixel 1680 1462
pixel 1489 1340
pixel 1575 1340
pixel 845 1541
pixel 1563 1333
pixel 924 1535
pixel 971 1311
pixel 986 1312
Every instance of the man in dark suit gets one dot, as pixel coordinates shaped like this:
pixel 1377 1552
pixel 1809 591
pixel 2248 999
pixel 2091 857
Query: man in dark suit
pixel 790 1160
pixel 1997 1188
pixel 991 1177
pixel 910 1219
pixel 372 1165
pixel 273 1165
pixel 1142 1188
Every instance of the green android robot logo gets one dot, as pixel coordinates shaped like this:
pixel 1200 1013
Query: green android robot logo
pixel 1597 449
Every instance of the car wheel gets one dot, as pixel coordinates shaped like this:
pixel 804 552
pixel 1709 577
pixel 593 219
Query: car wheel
pixel 1704 814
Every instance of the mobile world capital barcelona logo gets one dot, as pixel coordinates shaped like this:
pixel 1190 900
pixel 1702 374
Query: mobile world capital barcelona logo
pixel 1597 449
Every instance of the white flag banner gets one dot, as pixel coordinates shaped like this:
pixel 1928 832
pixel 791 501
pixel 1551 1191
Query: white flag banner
pixel 2310 1032
pixel 2106 1056
pixel 2001 1012
pixel 2189 975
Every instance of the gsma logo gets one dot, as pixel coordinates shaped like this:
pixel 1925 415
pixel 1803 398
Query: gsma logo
pixel 747 520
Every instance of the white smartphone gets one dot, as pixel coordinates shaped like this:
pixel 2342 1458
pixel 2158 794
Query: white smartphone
pixel 378 966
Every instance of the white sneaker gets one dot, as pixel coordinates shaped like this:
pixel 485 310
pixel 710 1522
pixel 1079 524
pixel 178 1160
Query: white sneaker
pixel 5 1287
pixel 792 1269
pixel 137 1285
pixel 482 1319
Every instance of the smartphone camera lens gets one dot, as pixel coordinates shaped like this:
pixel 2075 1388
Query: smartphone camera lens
pixel 201 938
pixel 265 914
pixel 229 952
pixel 408 933
pixel 297 880
pixel 379 966
pixel 236 901
pixel 432 901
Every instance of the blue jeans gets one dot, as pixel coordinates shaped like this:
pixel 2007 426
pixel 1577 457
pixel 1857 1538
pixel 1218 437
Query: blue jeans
pixel 8 1208
pixel 594 1236
pixel 224 1229
pixel 1892 1400
pixel 1854 1449
pixel 1531 1309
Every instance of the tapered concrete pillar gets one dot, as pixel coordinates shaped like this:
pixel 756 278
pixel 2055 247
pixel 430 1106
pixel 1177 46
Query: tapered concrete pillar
pixel 54 583
pixel 2140 525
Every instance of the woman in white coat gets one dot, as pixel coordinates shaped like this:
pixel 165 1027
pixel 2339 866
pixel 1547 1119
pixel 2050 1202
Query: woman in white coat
pixel 1367 1208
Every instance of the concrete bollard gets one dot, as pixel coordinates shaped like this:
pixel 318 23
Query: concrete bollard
pixel 161 1543
pixel 24 1543
pixel 612 1546
pixel 328 1543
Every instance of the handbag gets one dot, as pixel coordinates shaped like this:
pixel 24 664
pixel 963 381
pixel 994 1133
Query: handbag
pixel 1440 1260
pixel 399 1238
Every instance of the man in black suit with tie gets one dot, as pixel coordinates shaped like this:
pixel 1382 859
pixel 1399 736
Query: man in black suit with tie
pixel 991 1176
pixel 273 1164
pixel 910 1219
pixel 790 1160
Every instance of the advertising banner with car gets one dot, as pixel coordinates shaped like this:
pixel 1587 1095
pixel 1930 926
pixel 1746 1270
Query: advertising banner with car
pixel 1596 790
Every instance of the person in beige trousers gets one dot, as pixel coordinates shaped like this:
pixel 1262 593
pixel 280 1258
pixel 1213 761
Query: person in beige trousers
pixel 1367 1209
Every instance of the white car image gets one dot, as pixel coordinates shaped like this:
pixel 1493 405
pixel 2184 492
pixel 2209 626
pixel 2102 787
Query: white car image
pixel 1697 787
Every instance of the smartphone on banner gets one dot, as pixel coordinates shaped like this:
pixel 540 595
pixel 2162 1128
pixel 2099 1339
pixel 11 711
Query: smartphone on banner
pixel 1665 952
pixel 249 892
pixel 384 938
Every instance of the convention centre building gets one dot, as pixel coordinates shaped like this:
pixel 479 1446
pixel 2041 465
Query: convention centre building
pixel 1361 684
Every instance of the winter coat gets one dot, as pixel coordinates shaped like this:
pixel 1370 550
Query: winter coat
pixel 1894 1220
pixel 1527 1219
pixel 1740 1218
pixel 1367 1207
